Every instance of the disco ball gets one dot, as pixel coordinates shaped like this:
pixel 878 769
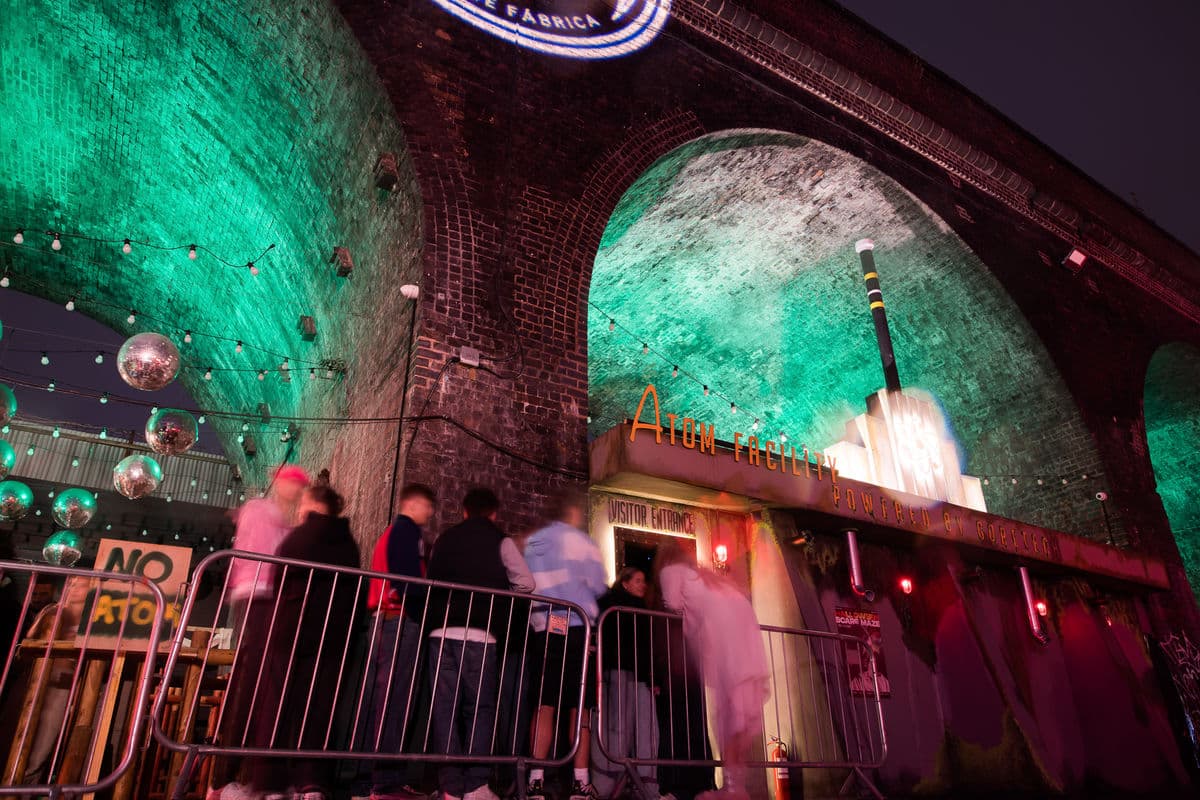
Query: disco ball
pixel 8 457
pixel 15 500
pixel 170 431
pixel 62 549
pixel 74 508
pixel 148 361
pixel 137 476
pixel 8 404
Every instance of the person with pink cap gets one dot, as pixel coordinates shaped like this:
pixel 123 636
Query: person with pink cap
pixel 262 524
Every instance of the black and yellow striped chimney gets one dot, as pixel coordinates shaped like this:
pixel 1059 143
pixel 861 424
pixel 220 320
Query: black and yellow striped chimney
pixel 865 249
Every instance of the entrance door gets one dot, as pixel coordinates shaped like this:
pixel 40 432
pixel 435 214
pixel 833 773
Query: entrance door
pixel 639 548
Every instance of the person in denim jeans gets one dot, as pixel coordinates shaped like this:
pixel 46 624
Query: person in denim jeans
pixel 466 630
pixel 393 672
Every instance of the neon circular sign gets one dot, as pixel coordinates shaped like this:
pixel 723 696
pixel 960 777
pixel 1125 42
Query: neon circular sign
pixel 588 29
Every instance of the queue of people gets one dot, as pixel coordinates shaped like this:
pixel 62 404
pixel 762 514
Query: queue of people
pixel 460 675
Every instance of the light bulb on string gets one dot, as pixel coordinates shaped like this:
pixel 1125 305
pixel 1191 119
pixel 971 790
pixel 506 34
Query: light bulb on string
pixel 99 358
pixel 245 426
pixel 203 419
pixel 675 372
pixel 192 252
pixel 754 426
pixel 312 374
pixel 262 374
pixel 612 324
pixel 126 248
pixel 56 245
pixel 253 269
pixel 284 367
pixel 55 434
pixel 782 437
pixel 45 359
pixel 4 282
pixel 733 408
pixel 238 349
pixel 30 450
pixel 104 433
pixel 153 409
pixel 187 337
pixel 19 236
pixel 71 304
pixel 208 374
pixel 132 318
pixel 104 399
pixel 50 386
pixel 74 462
pixel 645 348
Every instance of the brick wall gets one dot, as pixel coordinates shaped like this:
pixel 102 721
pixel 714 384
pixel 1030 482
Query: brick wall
pixel 522 160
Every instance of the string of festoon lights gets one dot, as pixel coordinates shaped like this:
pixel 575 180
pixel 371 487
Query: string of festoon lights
pixel 54 239
pixel 185 335
pixel 707 387
pixel 987 477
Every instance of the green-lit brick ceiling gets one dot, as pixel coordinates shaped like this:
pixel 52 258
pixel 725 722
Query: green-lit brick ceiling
pixel 1172 410
pixel 734 256
pixel 232 125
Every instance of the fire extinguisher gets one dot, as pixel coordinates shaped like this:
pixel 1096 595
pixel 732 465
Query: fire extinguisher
pixel 779 752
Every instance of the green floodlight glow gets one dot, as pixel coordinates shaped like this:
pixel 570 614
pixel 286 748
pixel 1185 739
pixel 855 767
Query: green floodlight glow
pixel 733 258
pixel 1172 425
pixel 294 156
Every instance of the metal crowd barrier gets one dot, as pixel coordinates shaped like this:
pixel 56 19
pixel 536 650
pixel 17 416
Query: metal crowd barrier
pixel 299 672
pixel 823 712
pixel 76 681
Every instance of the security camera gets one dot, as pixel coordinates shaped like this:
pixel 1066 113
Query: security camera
pixel 1101 496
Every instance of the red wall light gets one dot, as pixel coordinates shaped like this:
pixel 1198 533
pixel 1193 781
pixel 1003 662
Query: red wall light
pixel 1042 608
pixel 906 585
pixel 720 555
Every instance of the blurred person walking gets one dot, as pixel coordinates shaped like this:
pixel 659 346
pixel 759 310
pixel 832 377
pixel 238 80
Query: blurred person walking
pixel 723 636
pixel 566 565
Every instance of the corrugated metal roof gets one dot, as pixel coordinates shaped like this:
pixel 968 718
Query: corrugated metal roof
pixel 77 458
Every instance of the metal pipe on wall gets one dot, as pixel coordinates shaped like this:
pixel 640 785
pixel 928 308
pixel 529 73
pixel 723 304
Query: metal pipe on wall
pixel 856 577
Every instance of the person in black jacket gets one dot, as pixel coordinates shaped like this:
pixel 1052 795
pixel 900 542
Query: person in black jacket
pixel 630 722
pixel 465 628
pixel 313 620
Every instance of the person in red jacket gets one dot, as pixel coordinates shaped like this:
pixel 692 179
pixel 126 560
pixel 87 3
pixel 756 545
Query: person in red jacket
pixel 393 679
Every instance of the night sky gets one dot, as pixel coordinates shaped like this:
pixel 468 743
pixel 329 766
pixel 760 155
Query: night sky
pixel 1109 85
pixel 72 340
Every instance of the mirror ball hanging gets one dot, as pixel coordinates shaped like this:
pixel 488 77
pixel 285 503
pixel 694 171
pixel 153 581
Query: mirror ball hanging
pixel 148 361
pixel 74 508
pixel 137 476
